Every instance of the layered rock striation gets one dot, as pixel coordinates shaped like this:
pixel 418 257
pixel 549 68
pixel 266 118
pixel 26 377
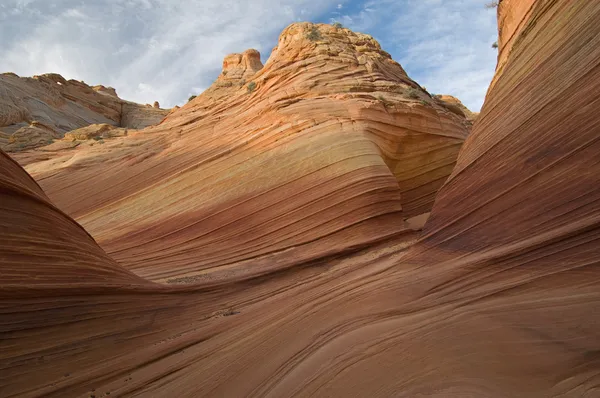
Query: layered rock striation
pixel 498 298
pixel 454 105
pixel 328 147
pixel 35 111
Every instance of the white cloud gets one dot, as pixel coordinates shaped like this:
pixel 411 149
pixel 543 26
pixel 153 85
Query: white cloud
pixel 147 49
pixel 165 50
pixel 445 45
pixel 74 13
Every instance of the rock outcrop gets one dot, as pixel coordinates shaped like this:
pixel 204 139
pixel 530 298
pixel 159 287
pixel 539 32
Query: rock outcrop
pixel 135 116
pixel 30 136
pixel 454 105
pixel 327 148
pixel 498 298
pixel 34 111
pixel 106 90
pixel 95 131
pixel 237 67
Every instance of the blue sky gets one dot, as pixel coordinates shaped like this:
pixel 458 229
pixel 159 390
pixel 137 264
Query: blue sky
pixel 167 50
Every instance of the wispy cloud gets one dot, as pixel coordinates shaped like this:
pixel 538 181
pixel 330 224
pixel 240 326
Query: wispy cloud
pixel 147 49
pixel 167 50
pixel 445 45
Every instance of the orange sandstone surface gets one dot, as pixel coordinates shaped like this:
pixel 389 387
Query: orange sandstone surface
pixel 327 148
pixel 498 297
pixel 454 105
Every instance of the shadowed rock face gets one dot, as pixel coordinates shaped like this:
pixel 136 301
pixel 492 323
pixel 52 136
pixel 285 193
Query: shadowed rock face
pixel 42 247
pixel 498 298
pixel 61 105
pixel 327 148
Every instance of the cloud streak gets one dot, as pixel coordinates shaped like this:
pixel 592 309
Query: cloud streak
pixel 147 49
pixel 445 45
pixel 167 50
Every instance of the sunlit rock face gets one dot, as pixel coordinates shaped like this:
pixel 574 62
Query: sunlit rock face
pixel 454 105
pixel 327 148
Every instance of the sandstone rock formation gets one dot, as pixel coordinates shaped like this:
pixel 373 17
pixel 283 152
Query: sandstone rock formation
pixel 320 151
pixel 238 67
pixel 135 116
pixel 30 136
pixel 95 131
pixel 499 298
pixel 106 90
pixel 34 111
pixel 454 105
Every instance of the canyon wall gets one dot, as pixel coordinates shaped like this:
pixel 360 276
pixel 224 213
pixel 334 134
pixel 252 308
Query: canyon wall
pixel 497 298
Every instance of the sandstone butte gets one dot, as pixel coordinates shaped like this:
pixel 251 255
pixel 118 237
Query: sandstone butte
pixel 327 148
pixel 36 111
pixel 498 297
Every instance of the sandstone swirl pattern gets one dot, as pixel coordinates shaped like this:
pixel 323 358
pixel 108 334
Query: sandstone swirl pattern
pixel 328 147
pixel 499 297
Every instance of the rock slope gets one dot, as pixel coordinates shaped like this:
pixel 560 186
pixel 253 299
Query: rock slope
pixel 328 147
pixel 499 298
pixel 35 111
pixel 454 105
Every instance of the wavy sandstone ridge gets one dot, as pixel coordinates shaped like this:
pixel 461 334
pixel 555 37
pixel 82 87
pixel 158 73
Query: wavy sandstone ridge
pixel 328 147
pixel 454 105
pixel 498 298
pixel 36 111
